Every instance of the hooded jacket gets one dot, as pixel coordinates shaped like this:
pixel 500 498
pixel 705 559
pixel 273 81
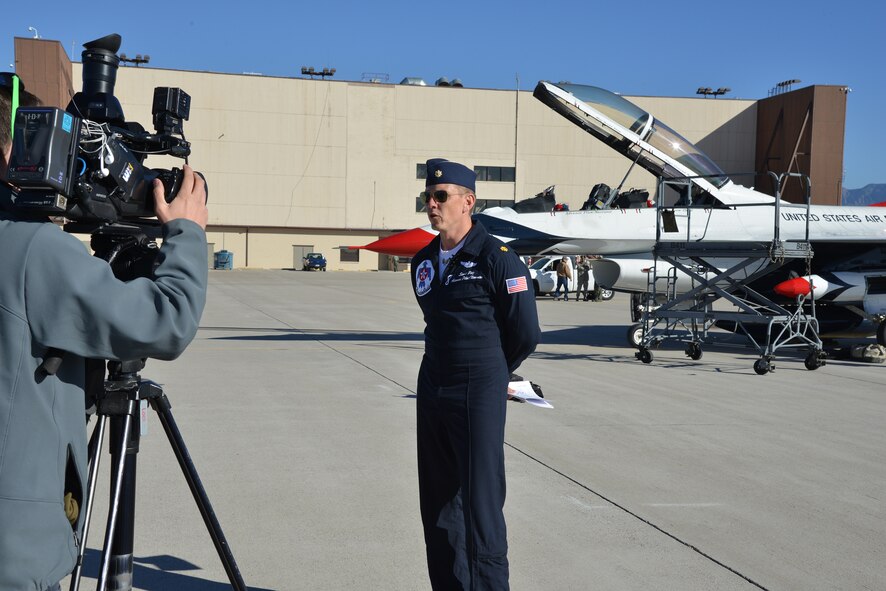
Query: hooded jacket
pixel 53 294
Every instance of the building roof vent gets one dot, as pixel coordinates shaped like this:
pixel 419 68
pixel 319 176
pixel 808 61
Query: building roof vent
pixel 413 81
pixel 442 81
pixel 457 83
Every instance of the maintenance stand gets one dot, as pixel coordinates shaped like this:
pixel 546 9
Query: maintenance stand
pixel 688 316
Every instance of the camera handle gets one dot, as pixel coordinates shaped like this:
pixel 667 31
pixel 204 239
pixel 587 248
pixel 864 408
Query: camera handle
pixel 51 362
pixel 120 401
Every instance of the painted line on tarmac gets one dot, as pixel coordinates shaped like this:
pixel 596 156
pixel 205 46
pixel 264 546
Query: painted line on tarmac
pixel 691 505
pixel 588 506
pixel 674 537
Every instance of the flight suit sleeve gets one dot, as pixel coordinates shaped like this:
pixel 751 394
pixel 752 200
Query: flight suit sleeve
pixel 516 313
pixel 74 302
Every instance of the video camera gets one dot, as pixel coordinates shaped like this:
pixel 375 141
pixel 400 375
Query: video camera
pixel 85 163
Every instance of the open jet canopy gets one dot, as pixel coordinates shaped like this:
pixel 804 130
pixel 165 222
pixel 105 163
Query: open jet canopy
pixel 642 138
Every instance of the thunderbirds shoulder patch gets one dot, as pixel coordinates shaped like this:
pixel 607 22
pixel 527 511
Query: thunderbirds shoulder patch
pixel 424 274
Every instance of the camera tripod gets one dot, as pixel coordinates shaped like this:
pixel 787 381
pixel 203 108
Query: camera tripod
pixel 131 253
pixel 120 401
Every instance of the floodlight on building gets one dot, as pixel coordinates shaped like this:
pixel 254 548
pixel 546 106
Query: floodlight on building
pixel 784 86
pixel 137 60
pixel 33 30
pixel 310 71
pixel 706 91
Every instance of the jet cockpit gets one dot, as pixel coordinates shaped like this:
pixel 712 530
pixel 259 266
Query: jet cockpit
pixel 644 140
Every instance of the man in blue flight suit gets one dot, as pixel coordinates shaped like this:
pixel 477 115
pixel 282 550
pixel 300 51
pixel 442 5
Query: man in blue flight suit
pixel 481 323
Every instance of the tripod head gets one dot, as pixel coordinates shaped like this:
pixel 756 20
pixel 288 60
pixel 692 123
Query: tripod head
pixel 131 251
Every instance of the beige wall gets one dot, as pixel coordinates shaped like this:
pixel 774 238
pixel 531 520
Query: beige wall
pixel 333 163
pixel 272 248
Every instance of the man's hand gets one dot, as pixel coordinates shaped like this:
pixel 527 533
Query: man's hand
pixel 511 396
pixel 190 203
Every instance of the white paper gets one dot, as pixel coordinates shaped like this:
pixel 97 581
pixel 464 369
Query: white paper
pixel 523 390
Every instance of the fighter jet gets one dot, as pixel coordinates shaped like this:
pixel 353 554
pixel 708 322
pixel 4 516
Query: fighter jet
pixel 704 204
pixel 700 202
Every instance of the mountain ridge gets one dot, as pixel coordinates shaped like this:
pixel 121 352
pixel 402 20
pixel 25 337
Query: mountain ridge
pixel 871 193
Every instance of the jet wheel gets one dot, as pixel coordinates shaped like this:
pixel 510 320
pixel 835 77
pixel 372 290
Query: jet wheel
pixel 635 335
pixel 644 355
pixel 762 366
pixel 693 351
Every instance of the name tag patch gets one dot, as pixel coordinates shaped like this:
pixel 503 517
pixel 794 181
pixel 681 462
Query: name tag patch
pixel 463 276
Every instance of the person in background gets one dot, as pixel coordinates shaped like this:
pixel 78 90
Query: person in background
pixel 564 276
pixel 583 269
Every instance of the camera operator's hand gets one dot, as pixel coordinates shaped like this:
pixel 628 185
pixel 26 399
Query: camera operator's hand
pixel 189 203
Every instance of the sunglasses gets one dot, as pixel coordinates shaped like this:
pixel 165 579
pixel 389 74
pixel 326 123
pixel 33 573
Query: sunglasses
pixel 440 196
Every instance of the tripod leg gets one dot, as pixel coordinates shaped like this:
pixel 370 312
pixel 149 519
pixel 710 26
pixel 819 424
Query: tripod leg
pixel 162 406
pixel 114 510
pixel 95 450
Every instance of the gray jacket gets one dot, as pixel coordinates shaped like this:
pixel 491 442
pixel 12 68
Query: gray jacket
pixel 53 294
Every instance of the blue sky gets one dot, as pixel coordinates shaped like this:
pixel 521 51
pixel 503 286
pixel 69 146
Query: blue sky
pixel 636 48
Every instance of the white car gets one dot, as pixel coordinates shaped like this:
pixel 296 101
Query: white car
pixel 543 273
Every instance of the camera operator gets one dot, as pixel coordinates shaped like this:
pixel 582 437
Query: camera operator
pixel 53 294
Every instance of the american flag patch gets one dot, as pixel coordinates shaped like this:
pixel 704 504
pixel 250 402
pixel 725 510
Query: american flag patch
pixel 516 285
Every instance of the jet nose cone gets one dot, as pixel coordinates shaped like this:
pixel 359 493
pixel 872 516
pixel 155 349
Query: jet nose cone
pixel 798 286
pixel 403 244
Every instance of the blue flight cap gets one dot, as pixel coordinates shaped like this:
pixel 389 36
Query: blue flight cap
pixel 444 172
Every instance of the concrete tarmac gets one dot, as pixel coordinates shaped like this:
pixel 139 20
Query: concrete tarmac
pixel 297 403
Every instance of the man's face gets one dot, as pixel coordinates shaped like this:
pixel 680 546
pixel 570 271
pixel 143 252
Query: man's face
pixel 452 212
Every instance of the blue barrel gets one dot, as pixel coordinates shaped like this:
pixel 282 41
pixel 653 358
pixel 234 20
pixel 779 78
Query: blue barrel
pixel 224 259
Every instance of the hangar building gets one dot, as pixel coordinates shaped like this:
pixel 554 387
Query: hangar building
pixel 297 165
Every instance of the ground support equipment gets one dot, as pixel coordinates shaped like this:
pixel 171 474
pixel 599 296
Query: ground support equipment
pixel 768 325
